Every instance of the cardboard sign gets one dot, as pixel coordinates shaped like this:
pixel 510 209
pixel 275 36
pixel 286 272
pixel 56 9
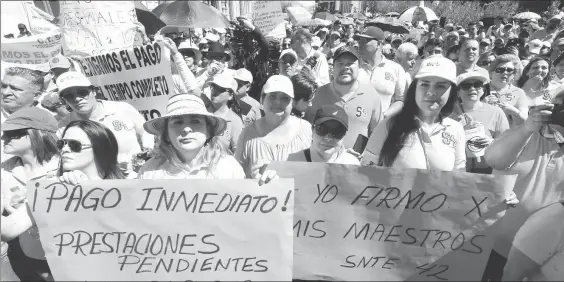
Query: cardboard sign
pixel 139 75
pixel 168 230
pixel 268 17
pixel 357 223
pixel 96 27
pixel 32 52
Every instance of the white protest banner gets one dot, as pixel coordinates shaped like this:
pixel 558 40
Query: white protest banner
pixel 268 17
pixel 139 75
pixel 32 51
pixel 298 14
pixel 95 27
pixel 363 223
pixel 167 230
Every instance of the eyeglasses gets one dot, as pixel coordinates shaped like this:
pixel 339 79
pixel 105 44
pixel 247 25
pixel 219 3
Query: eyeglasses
pixel 74 145
pixel 80 93
pixel 504 70
pixel 288 60
pixel 15 134
pixel 336 133
pixel 468 85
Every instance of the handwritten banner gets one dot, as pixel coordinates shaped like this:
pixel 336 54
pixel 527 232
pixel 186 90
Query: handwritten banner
pixel 95 27
pixel 32 51
pixel 139 75
pixel 173 230
pixel 362 223
pixel 268 17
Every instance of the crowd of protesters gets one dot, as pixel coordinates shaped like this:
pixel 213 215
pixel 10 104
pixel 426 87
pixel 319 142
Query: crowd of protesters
pixel 470 99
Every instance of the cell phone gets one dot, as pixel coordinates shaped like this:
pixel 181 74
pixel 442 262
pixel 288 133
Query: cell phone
pixel 360 143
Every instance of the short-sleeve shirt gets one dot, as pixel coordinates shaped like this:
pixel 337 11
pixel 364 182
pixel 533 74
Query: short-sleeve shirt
pixel 363 107
pixel 387 78
pixel 231 134
pixel 254 111
pixel 442 149
pixel 460 70
pixel 541 239
pixel 515 97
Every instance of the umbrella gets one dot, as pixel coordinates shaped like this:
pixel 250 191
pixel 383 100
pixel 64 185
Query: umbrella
pixel 527 16
pixel 356 16
pixel 191 14
pixel 151 22
pixel 325 16
pixel 313 22
pixel 418 13
pixel 394 26
pixel 393 14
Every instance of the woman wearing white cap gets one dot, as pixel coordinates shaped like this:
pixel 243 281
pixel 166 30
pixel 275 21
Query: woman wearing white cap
pixel 288 62
pixel 484 121
pixel 510 98
pixel 277 134
pixel 422 135
pixel 222 95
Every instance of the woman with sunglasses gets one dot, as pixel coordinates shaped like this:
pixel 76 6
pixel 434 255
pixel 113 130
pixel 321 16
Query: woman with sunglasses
pixel 30 136
pixel 483 122
pixel 510 98
pixel 288 63
pixel 276 135
pixel 535 81
pixel 125 122
pixel 329 127
pixel 422 135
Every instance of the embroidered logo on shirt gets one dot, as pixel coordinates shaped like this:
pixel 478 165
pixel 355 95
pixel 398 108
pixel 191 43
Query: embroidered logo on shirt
pixel 508 97
pixel 389 76
pixel 448 139
pixel 360 112
pixel 546 95
pixel 119 125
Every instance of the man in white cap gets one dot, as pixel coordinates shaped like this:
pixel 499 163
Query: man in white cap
pixel 246 106
pixel 57 66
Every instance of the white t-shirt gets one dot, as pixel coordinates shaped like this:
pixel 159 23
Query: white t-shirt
pixel 541 239
pixel 388 79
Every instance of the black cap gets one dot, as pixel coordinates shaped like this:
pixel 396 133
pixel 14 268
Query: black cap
pixel 331 112
pixel 373 32
pixel 21 25
pixel 346 50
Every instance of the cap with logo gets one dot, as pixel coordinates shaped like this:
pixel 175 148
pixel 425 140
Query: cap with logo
pixel 72 79
pixel 472 75
pixel 59 62
pixel 279 83
pixel 243 75
pixel 30 117
pixel 438 66
pixel 331 112
pixel 535 46
pixel 346 50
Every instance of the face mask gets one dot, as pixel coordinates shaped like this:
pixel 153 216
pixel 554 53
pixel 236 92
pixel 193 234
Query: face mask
pixel 558 115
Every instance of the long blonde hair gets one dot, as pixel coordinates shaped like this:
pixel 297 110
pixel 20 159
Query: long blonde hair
pixel 209 155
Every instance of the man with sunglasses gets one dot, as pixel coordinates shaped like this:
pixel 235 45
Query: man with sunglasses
pixel 387 77
pixel 358 98
pixel 76 91
pixel 246 106
pixel 330 125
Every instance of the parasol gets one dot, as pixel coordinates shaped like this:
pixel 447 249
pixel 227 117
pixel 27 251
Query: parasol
pixel 393 14
pixel 418 13
pixel 150 21
pixel 313 22
pixel 191 14
pixel 391 25
pixel 527 16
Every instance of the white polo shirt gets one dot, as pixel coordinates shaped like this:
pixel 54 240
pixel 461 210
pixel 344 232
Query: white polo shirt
pixel 442 149
pixel 388 79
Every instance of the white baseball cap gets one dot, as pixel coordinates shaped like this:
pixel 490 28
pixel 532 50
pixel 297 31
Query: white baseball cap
pixel 472 75
pixel 72 79
pixel 225 80
pixel 535 46
pixel 243 75
pixel 439 66
pixel 289 52
pixel 279 83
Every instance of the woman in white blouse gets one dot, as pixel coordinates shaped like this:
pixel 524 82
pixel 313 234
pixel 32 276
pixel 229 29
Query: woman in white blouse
pixel 276 135
pixel 421 135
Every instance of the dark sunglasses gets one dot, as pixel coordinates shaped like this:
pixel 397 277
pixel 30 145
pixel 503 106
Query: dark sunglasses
pixel 336 133
pixel 468 85
pixel 74 145
pixel 15 134
pixel 288 60
pixel 505 70
pixel 215 57
pixel 80 93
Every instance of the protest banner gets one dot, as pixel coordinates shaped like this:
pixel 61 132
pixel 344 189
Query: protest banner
pixel 268 17
pixel 32 52
pixel 298 14
pixel 95 27
pixel 140 76
pixel 167 230
pixel 364 223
